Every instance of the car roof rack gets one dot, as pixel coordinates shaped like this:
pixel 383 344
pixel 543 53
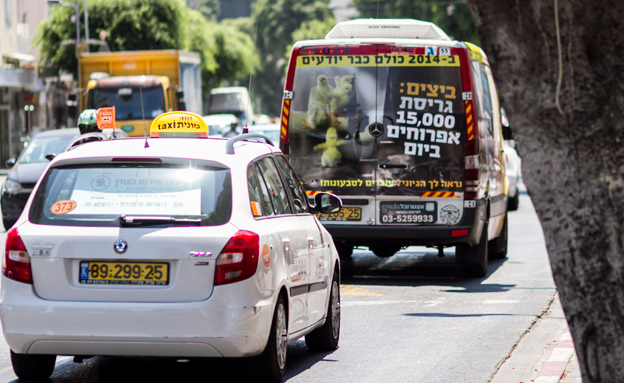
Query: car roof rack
pixel 229 145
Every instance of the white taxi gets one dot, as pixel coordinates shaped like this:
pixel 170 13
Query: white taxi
pixel 170 247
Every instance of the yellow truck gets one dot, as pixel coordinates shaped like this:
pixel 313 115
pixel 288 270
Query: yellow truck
pixel 140 85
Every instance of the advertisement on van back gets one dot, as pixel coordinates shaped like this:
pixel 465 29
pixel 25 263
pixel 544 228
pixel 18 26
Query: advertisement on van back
pixel 378 120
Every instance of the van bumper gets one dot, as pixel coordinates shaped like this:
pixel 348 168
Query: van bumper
pixel 362 234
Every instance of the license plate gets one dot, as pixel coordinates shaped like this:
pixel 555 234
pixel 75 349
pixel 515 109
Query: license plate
pixel 345 214
pixel 407 212
pixel 124 273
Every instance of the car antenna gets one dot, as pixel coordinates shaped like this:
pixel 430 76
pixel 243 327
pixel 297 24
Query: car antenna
pixel 143 115
pixel 253 55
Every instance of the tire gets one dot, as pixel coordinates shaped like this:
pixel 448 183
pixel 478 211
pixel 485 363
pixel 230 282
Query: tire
pixel 384 251
pixel 33 367
pixel 272 361
pixel 498 246
pixel 326 337
pixel 473 260
pixel 8 223
pixel 514 202
pixel 344 251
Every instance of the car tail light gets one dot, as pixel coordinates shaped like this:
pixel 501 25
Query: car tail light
pixel 16 264
pixel 239 258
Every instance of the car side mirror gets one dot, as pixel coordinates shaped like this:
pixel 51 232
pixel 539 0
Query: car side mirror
pixel 10 162
pixel 50 157
pixel 327 203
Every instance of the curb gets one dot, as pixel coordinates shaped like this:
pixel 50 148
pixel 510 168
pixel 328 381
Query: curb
pixel 558 361
pixel 544 354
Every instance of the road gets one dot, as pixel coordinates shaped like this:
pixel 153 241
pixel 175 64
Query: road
pixel 408 318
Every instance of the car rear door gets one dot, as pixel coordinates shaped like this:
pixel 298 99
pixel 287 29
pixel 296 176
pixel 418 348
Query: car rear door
pixel 381 124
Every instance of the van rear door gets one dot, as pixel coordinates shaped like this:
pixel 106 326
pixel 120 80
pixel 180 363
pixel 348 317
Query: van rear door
pixel 384 127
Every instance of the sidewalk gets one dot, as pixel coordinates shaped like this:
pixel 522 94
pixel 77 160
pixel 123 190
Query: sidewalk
pixel 545 354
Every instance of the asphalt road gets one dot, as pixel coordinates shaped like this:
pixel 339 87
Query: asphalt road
pixel 408 318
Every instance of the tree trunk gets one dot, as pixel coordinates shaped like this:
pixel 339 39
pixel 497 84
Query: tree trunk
pixel 561 78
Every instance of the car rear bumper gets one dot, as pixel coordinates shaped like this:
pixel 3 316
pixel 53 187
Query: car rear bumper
pixel 467 231
pixel 222 326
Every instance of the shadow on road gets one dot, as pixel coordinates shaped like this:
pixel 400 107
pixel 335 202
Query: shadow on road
pixel 415 266
pixel 161 370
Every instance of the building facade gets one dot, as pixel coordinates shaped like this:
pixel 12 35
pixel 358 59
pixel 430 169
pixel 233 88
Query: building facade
pixel 22 93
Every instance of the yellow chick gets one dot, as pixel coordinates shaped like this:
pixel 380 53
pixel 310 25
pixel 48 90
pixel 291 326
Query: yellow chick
pixel 318 103
pixel 331 155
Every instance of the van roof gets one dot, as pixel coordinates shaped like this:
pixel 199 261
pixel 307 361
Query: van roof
pixel 387 28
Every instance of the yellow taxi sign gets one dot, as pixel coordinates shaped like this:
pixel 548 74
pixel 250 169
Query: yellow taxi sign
pixel 179 124
pixel 105 118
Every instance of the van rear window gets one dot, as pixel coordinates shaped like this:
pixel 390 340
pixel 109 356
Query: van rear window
pixel 378 119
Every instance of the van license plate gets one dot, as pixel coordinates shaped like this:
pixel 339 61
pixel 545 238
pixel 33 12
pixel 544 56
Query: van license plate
pixel 124 273
pixel 345 214
pixel 407 212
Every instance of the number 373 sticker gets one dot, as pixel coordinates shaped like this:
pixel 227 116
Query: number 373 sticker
pixel 63 207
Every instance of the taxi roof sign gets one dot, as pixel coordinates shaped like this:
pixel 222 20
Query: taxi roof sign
pixel 105 118
pixel 179 124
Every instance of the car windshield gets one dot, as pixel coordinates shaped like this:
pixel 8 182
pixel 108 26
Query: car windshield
pixel 140 194
pixel 41 146
pixel 127 101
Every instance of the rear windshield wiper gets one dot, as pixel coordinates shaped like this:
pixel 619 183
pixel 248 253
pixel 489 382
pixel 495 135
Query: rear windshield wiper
pixel 141 220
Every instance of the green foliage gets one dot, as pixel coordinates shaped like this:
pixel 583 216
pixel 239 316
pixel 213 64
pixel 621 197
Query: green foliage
pixel 236 56
pixel 146 25
pixel 311 30
pixel 455 19
pixel 210 9
pixel 276 20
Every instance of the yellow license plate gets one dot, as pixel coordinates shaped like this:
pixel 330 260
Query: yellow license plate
pixel 345 214
pixel 124 273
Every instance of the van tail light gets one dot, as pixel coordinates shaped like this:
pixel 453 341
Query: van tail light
pixel 239 258
pixel 472 177
pixel 16 264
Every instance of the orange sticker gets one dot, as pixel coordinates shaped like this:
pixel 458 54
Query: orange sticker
pixel 63 207
pixel 256 209
pixel 266 255
pixel 106 118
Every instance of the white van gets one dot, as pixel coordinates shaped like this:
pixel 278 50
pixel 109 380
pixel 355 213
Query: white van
pixel 231 100
pixel 404 125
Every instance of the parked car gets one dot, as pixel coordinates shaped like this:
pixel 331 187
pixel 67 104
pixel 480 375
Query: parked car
pixel 26 170
pixel 513 174
pixel 175 247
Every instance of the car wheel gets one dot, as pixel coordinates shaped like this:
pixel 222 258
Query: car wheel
pixel 513 202
pixel 33 367
pixel 384 251
pixel 473 260
pixel 344 251
pixel 325 338
pixel 272 361
pixel 498 246
pixel 8 223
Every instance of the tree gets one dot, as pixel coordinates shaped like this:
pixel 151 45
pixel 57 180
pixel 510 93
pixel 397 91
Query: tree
pixel 146 25
pixel 561 80
pixel 311 30
pixel 453 16
pixel 275 21
pixel 209 8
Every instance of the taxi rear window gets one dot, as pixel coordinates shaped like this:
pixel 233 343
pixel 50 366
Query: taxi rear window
pixel 145 194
